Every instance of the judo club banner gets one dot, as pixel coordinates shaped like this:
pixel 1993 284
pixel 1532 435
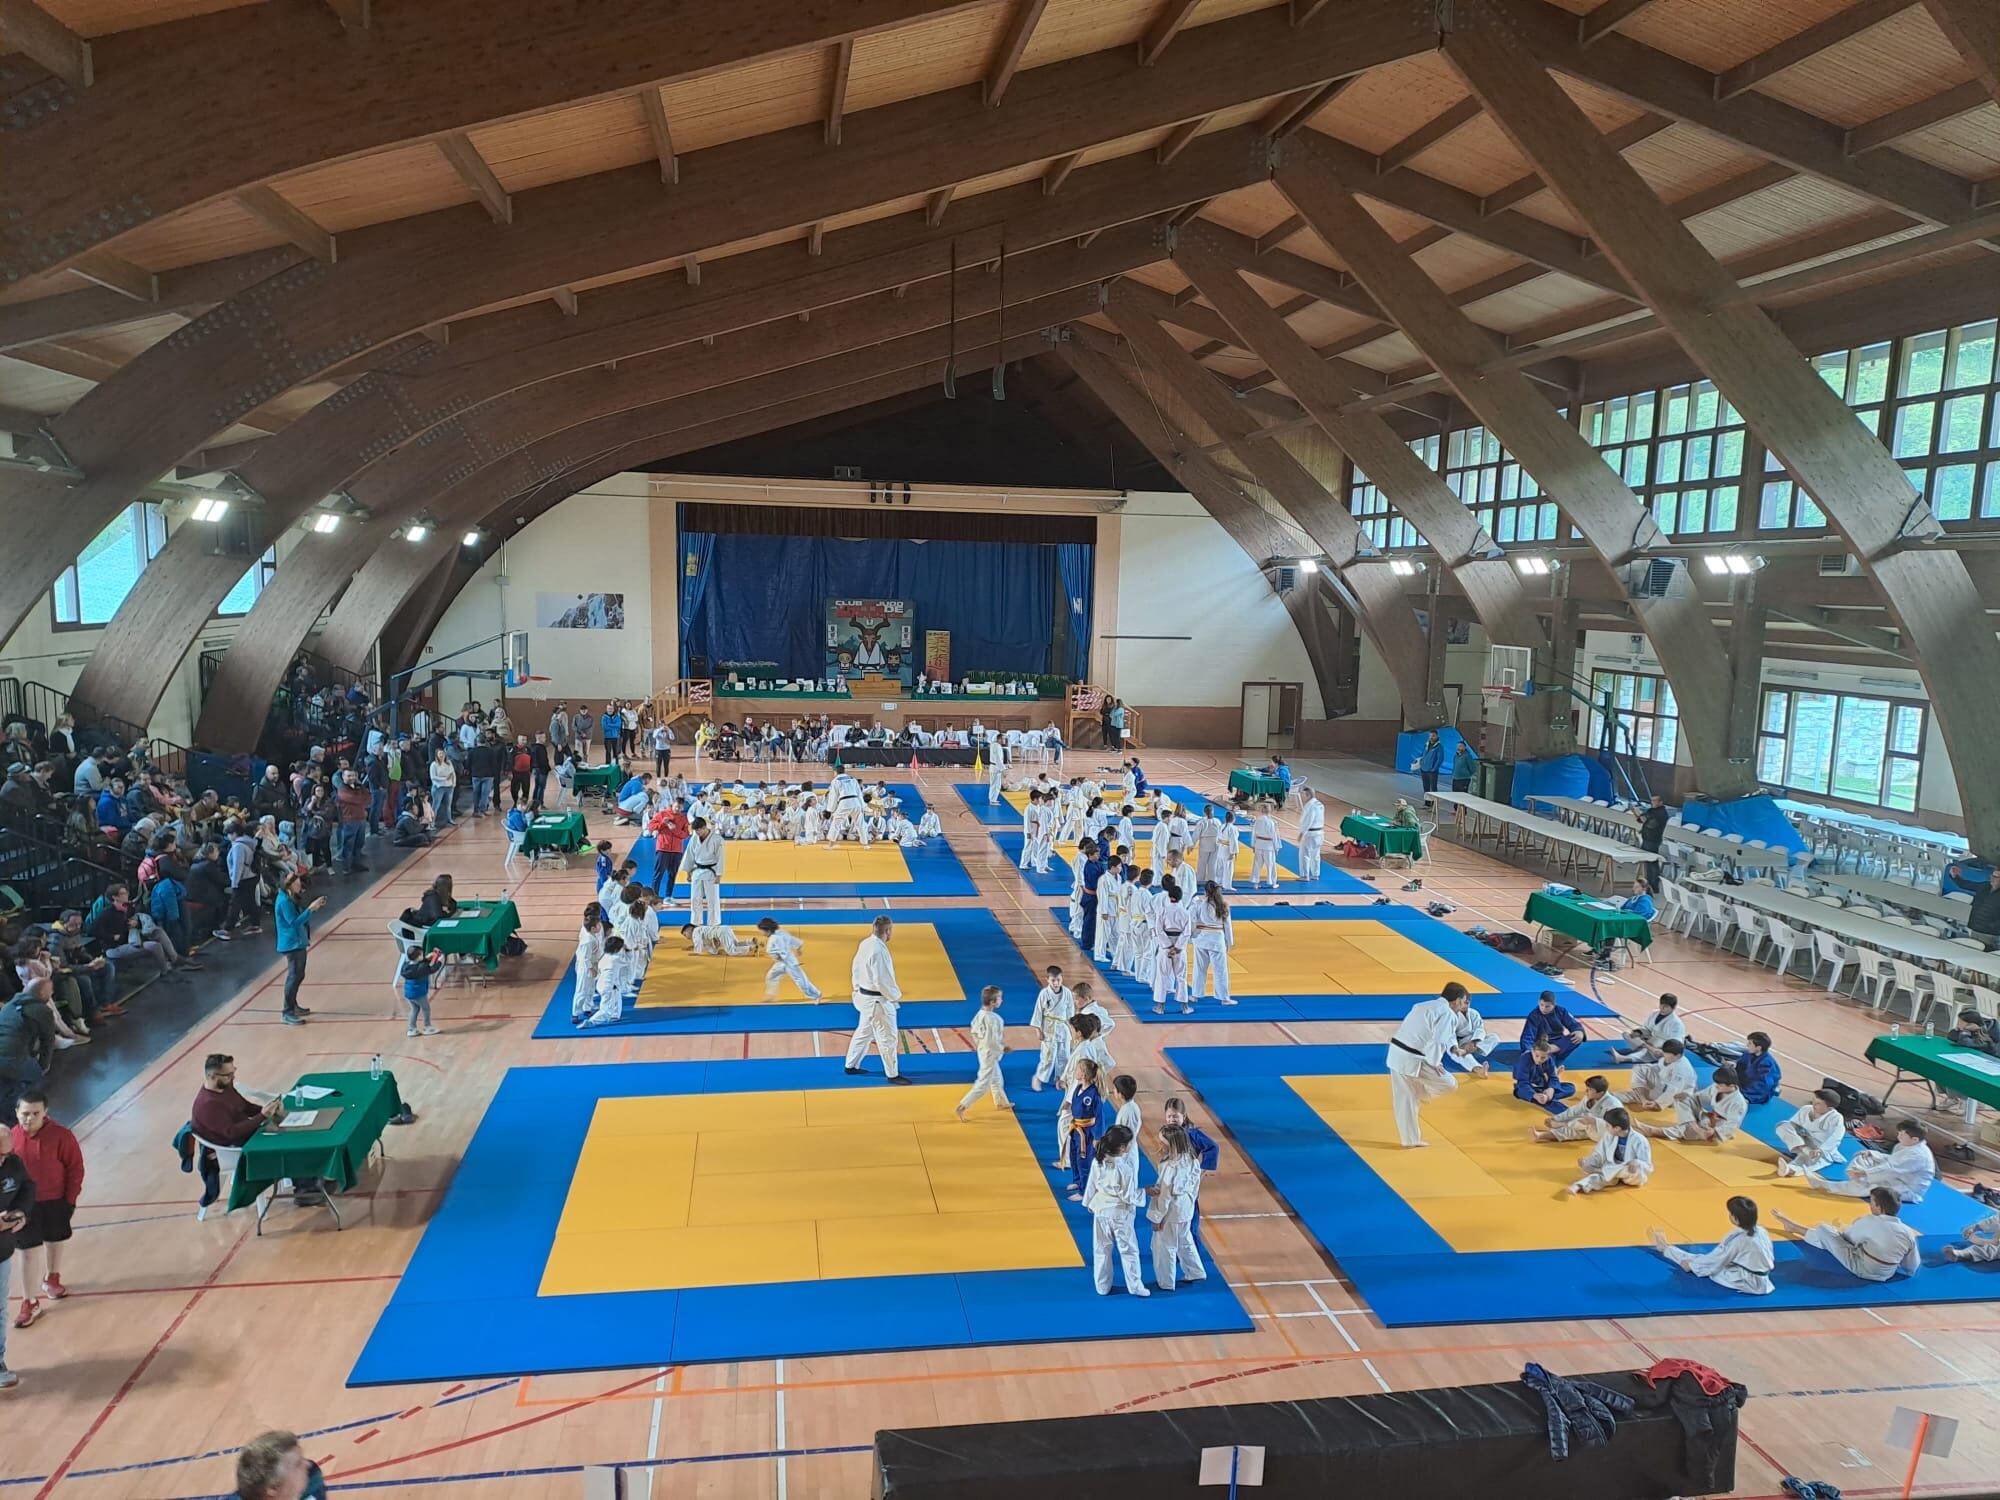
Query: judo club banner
pixel 870 637
pixel 937 655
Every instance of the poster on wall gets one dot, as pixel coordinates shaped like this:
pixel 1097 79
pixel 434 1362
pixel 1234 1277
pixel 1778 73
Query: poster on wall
pixel 580 611
pixel 870 638
pixel 937 655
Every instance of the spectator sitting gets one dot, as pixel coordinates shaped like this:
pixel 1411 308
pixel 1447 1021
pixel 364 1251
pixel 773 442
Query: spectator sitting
pixel 112 814
pixel 437 904
pixel 413 825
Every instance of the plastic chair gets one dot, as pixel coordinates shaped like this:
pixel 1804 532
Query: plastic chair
pixel 1717 912
pixel 226 1158
pixel 1750 926
pixel 1921 986
pixel 1828 949
pixel 1874 970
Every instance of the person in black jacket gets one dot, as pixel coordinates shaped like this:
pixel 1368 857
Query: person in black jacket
pixel 1652 829
pixel 17 1201
pixel 207 895
pixel 482 764
pixel 272 797
pixel 437 904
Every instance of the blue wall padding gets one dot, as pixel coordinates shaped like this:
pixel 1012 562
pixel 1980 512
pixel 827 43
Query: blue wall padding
pixel 1410 748
pixel 1558 776
pixel 1756 817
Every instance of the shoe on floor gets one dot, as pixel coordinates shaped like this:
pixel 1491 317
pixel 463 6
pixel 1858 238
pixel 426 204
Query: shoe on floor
pixel 53 1288
pixel 430 1031
pixel 30 1309
pixel 64 1043
pixel 8 1379
pixel 301 1010
pixel 411 1031
pixel 292 1018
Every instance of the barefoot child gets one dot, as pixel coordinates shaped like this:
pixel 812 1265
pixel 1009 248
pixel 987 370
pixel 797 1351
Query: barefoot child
pixel 1054 1005
pixel 989 1044
pixel 1083 1045
pixel 785 949
pixel 1113 1197
pixel 1176 1201
pixel 1082 1112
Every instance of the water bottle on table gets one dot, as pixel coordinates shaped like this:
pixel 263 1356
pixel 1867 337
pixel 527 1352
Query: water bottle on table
pixel 375 1068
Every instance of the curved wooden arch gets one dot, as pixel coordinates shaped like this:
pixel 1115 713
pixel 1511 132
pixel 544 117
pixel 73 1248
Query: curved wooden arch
pixel 397 278
pixel 417 385
pixel 254 666
pixel 300 90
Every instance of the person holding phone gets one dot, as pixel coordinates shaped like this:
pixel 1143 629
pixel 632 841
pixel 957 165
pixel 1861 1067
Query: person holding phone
pixel 294 915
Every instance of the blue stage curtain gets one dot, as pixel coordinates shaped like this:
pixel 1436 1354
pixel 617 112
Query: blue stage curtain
pixel 1078 581
pixel 698 548
pixel 762 598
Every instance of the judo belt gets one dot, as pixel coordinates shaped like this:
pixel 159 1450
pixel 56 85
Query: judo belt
pixel 1394 1042
pixel 709 868
pixel 860 991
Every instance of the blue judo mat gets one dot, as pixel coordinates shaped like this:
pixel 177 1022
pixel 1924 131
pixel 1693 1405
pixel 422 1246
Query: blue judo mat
pixel 1410 1276
pixel 467 1307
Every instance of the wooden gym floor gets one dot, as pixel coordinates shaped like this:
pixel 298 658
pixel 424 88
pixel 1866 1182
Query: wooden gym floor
pixel 181 1339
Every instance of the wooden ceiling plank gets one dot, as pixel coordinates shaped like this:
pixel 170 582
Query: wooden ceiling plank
pixel 25 27
pixel 285 218
pixel 116 274
pixel 1831 32
pixel 1607 18
pixel 1623 138
pixel 654 107
pixel 354 15
pixel 1020 27
pixel 840 66
pixel 1873 135
pixel 463 157
pixel 1177 142
pixel 1973 27
pixel 1278 233
pixel 1303 11
pixel 1166 25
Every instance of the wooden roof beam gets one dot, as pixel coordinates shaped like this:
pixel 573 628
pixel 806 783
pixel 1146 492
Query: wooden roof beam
pixel 1303 11
pixel 1973 27
pixel 935 206
pixel 1058 173
pixel 1427 135
pixel 654 107
pixel 1873 135
pixel 1020 27
pixel 840 66
pixel 116 274
pixel 1292 113
pixel 1831 32
pixel 25 27
pixel 1165 26
pixel 264 204
pixel 1177 140
pixel 1607 18
pixel 463 157
pixel 564 298
pixel 354 15
pixel 1644 127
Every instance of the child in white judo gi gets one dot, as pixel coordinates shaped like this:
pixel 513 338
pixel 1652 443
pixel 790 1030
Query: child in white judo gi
pixel 589 950
pixel 1621 1155
pixel 1085 852
pixel 787 950
pixel 1584 1119
pixel 848 811
pixel 1416 1059
pixel 1054 1005
pixel 1214 936
pixel 928 826
pixel 1171 925
pixel 1712 1114
pixel 1113 1197
pixel 611 980
pixel 1658 1085
pixel 996 772
pixel 1982 1241
pixel 1110 895
pixel 1648 1039
pixel 811 822
pixel 1312 836
pixel 1263 848
pixel 1875 1247
pixel 1810 1140
pixel 713 940
pixel 1087 1004
pixel 1125 1101
pixel 1742 1262
pixel 1176 1200
pixel 901 831
pixel 1228 844
pixel 989 1046
pixel 1908 1171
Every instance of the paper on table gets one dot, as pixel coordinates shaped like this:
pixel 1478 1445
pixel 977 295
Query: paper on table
pixel 447 922
pixel 303 1120
pixel 1979 1062
pixel 312 1091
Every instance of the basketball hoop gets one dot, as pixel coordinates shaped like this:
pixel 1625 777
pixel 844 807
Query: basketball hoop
pixel 1499 691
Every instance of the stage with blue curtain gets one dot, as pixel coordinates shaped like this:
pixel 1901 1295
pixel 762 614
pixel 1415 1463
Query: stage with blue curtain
pixel 1011 603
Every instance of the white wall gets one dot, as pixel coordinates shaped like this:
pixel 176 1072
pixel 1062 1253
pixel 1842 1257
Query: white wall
pixel 598 539
pixel 1182 579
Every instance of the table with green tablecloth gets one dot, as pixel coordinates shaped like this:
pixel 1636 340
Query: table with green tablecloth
pixel 1587 920
pixel 1387 836
pixel 564 831
pixel 605 779
pixel 333 1152
pixel 1253 785
pixel 479 928
pixel 1938 1060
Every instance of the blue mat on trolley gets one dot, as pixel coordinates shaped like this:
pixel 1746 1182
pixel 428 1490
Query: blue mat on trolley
pixel 1484 1233
pixel 1280 949
pixel 552 1251
pixel 967 943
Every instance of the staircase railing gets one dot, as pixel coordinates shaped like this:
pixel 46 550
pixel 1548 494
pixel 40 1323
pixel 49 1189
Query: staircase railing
pixel 48 875
pixel 45 704
pixel 1086 718
pixel 691 696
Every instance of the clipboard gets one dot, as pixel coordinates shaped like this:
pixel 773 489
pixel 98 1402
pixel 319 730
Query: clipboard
pixel 326 1118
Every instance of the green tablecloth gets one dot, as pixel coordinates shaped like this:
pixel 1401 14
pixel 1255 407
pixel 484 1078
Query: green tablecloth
pixel 478 930
pixel 335 1153
pixel 1925 1056
pixel 1386 836
pixel 565 831
pixel 1251 784
pixel 1578 917
pixel 605 778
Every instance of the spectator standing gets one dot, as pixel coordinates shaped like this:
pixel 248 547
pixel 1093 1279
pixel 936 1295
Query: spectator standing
pixel 444 785
pixel 242 878
pixel 351 803
pixel 482 764
pixel 55 1166
pixel 612 727
pixel 294 915
pixel 17 1202
pixel 582 727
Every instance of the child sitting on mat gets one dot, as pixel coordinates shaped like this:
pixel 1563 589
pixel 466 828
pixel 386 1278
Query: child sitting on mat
pixel 717 941
pixel 1742 1262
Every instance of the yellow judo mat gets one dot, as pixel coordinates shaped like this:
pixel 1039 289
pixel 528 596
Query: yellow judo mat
pixel 1484 1186
pixel 678 976
pixel 1146 805
pixel 1348 957
pixel 740 1189
pixel 781 862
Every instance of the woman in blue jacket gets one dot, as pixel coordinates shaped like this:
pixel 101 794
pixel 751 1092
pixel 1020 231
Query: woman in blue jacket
pixel 294 915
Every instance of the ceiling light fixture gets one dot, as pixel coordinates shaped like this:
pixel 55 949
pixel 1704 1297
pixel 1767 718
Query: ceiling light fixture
pixel 416 533
pixel 325 522
pixel 1534 567
pixel 208 508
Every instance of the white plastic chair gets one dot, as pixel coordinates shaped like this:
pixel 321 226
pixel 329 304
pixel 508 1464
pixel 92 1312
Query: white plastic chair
pixel 226 1158
pixel 1785 942
pixel 1673 905
pixel 1750 926
pixel 1716 912
pixel 1875 970
pixel 1919 985
pixel 1828 949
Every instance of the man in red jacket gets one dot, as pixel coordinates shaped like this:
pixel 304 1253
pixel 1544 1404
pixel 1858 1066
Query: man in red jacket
pixel 670 835
pixel 55 1165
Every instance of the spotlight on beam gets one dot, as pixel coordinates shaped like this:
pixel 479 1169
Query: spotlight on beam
pixel 474 537
pixel 1308 566
pixel 415 533
pixel 208 508
pixel 1402 567
pixel 1722 563
pixel 326 521
pixel 1533 566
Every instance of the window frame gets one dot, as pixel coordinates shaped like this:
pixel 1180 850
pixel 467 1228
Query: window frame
pixel 1896 704
pixel 149 535
pixel 1660 692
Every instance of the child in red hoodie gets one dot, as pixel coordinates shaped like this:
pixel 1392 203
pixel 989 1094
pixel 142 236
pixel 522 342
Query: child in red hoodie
pixel 55 1165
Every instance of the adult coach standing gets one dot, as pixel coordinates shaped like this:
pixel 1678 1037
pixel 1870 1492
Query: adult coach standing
pixel 876 995
pixel 1416 1059
pixel 705 854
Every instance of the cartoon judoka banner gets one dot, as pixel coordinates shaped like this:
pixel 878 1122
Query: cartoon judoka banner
pixel 870 637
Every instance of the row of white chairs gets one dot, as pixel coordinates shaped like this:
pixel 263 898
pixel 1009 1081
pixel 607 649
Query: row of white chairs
pixel 1879 978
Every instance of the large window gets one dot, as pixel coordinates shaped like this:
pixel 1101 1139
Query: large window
pixel 1681 451
pixel 1380 521
pixel 1644 708
pixel 239 599
pixel 91 588
pixel 1941 424
pixel 1505 497
pixel 1844 745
